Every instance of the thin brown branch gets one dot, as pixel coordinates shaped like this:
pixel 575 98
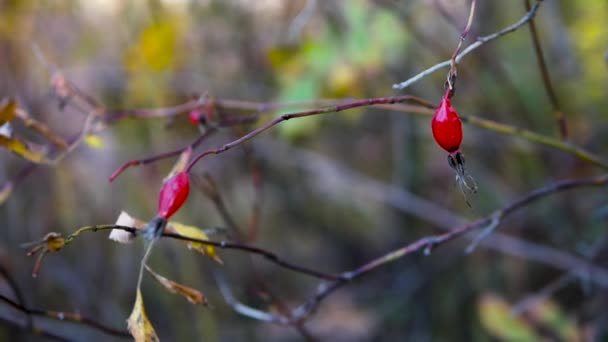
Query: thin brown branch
pixel 463 36
pixel 54 242
pixel 314 164
pixel 164 155
pixel 64 316
pixel 542 65
pixel 427 244
pixel 16 291
pixel 35 331
pixel 285 117
pixel 479 43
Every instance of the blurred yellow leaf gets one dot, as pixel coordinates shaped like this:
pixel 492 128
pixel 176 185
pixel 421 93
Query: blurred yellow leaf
pixel 94 141
pixel 21 149
pixel 181 163
pixel 195 233
pixel 496 317
pixel 5 192
pixel 156 46
pixel 7 111
pixel 551 316
pixel 192 295
pixel 139 326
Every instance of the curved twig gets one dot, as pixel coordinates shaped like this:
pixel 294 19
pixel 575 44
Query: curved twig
pixel 479 43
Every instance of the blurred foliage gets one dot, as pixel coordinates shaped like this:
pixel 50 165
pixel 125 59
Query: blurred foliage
pixel 150 54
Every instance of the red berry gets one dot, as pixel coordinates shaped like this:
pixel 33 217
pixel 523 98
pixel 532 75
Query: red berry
pixel 173 194
pixel 447 127
pixel 195 117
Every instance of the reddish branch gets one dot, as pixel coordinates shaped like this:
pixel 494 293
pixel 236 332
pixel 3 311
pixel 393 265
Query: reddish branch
pixel 160 156
pixel 285 117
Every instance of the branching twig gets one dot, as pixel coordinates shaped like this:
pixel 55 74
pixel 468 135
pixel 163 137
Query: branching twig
pixel 427 244
pixel 59 243
pixel 480 42
pixel 163 155
pixel 285 117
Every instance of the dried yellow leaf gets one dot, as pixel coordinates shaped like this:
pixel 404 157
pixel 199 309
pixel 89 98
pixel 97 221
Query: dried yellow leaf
pixel 5 192
pixel 195 233
pixel 192 295
pixel 21 149
pixel 7 111
pixel 139 326
pixel 94 141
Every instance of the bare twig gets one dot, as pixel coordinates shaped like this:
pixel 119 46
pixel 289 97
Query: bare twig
pixel 285 117
pixel 64 316
pixel 164 155
pixel 480 42
pixel 36 332
pixel 16 291
pixel 506 129
pixel 272 257
pixel 463 36
pixel 540 58
pixel 369 189
pixel 427 244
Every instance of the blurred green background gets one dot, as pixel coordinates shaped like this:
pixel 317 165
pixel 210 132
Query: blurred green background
pixel 338 189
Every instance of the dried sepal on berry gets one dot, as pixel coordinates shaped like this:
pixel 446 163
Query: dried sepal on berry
pixel 52 242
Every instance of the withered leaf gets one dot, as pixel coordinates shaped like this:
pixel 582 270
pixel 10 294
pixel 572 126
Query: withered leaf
pixel 192 295
pixel 7 111
pixel 20 148
pixel 139 326
pixel 195 233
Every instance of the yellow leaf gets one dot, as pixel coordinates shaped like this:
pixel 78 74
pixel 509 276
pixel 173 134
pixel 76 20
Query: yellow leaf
pixel 94 141
pixel 192 295
pixel 139 326
pixel 181 163
pixel 7 111
pixel 5 192
pixel 21 149
pixel 496 318
pixel 195 233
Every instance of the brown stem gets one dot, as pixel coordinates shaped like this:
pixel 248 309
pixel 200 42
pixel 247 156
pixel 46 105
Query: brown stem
pixel 285 117
pixel 64 316
pixel 540 58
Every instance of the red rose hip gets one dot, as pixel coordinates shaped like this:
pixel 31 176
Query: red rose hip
pixel 173 194
pixel 446 125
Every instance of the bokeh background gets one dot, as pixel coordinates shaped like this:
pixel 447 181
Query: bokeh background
pixel 338 190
